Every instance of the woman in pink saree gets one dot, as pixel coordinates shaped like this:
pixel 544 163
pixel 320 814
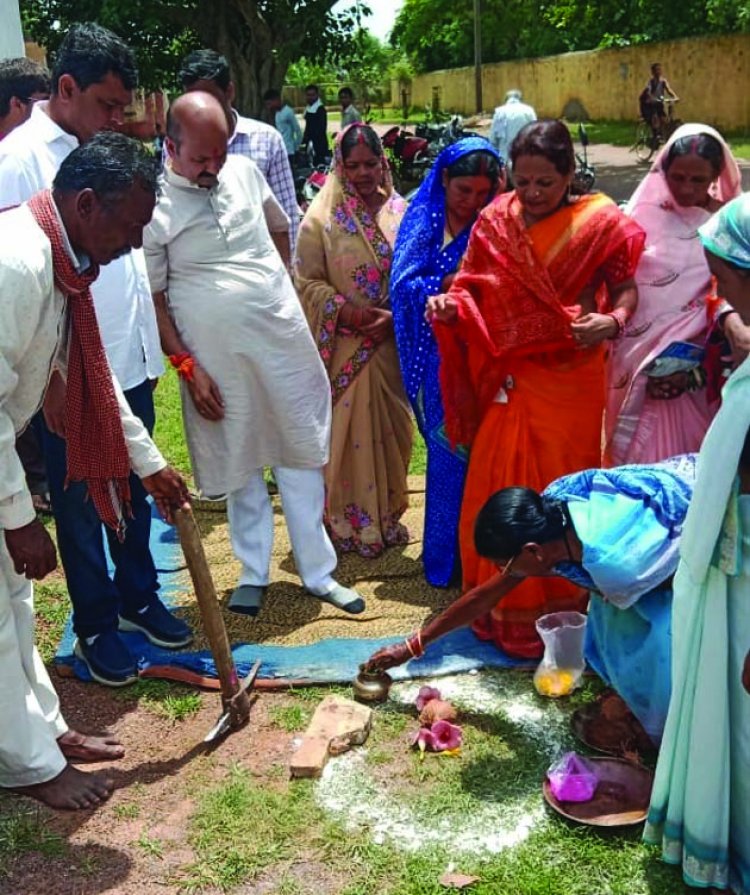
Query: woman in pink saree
pixel 658 402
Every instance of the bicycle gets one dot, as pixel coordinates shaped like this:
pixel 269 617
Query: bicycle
pixel 648 140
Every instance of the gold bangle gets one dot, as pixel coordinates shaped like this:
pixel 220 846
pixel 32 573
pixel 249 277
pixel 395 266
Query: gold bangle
pixel 409 647
pixel 419 641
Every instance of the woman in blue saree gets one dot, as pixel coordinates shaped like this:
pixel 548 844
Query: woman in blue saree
pixel 700 804
pixel 615 532
pixel 431 242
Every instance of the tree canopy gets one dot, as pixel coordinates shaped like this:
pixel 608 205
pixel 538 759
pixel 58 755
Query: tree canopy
pixel 260 38
pixel 438 34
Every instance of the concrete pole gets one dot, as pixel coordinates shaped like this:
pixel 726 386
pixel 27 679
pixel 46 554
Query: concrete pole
pixel 478 54
pixel 11 35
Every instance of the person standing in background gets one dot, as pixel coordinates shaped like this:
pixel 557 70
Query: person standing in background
pixel 349 112
pixel 22 83
pixel 508 121
pixel 316 125
pixel 285 121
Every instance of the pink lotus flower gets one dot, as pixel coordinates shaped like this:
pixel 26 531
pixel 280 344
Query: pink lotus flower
pixel 445 736
pixel 423 739
pixel 425 695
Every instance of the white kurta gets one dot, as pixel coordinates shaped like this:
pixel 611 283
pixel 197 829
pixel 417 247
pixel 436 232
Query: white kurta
pixel 236 310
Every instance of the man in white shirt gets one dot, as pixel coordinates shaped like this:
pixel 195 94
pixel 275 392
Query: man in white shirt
pixel 508 121
pixel 254 390
pixel 50 249
pixel 92 82
pixel 208 71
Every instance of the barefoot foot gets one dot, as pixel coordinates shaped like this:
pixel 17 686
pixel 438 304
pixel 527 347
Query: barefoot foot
pixel 70 790
pixel 76 746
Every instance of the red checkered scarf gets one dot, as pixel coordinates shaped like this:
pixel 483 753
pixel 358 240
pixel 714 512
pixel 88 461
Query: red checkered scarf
pixel 96 448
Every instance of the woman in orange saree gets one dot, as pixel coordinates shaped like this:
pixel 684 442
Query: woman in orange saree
pixel 522 333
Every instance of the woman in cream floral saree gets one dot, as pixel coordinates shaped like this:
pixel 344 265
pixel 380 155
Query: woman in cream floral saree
pixel 342 270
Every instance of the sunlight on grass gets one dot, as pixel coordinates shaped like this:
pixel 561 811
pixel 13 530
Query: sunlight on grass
pixel 241 829
pixel 52 606
pixel 254 836
pixel 171 701
pixel 291 718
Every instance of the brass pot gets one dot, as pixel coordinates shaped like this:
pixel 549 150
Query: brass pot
pixel 371 686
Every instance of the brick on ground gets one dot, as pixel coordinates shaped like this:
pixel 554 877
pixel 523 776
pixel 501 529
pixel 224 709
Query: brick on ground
pixel 337 725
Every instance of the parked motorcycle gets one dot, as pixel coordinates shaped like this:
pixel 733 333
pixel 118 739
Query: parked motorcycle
pixel 584 177
pixel 309 178
pixel 408 155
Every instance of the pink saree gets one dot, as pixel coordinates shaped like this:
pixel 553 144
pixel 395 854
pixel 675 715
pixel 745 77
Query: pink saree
pixel 675 304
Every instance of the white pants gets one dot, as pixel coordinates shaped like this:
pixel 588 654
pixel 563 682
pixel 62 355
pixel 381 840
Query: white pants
pixel 30 719
pixel 251 527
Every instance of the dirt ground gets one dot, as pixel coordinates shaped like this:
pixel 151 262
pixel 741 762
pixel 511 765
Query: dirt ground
pixel 166 765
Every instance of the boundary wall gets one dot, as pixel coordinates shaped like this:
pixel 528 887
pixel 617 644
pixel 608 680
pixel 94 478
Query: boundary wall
pixel 711 75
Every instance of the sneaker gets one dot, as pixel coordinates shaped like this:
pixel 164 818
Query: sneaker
pixel 159 625
pixel 108 659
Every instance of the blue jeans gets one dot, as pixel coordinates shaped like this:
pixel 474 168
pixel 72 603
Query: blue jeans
pixel 96 598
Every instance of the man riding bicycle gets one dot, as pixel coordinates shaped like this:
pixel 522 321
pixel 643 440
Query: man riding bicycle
pixel 652 99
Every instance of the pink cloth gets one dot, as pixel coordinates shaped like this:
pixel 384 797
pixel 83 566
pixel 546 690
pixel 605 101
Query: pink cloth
pixel 674 287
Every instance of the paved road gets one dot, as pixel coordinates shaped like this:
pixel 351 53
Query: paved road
pixel 618 173
pixel 617 170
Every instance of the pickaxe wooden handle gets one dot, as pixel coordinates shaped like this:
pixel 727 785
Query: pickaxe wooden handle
pixel 235 699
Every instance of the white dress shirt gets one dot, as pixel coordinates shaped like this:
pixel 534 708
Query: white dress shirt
pixel 30 157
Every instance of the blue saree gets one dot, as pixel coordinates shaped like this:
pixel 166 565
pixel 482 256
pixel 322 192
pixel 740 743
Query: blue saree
pixel 420 262
pixel 629 520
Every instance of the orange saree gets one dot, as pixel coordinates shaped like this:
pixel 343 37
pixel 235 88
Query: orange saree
pixel 515 387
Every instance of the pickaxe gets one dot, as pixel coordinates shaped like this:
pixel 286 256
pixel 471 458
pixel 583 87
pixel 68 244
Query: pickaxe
pixel 235 698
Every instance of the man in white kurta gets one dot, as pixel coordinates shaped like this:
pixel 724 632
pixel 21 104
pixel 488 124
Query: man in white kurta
pixel 35 742
pixel 254 391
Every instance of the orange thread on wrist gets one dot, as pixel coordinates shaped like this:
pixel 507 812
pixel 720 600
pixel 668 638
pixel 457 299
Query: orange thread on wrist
pixel 184 364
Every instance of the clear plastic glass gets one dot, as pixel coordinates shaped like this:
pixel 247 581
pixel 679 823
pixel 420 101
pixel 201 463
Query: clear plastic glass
pixel 561 668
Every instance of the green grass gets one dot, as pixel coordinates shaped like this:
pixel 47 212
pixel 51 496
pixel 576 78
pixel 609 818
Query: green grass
pixel 24 829
pixel 150 846
pixel 291 718
pixel 248 833
pixel 740 145
pixel 127 811
pixel 52 607
pixel 616 133
pixel 168 700
pixel 241 829
pixel 169 434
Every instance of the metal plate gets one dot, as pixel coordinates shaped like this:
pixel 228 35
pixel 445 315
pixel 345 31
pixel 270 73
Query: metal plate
pixel 621 798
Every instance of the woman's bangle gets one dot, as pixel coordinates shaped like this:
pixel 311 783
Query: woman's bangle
pixel 184 364
pixel 414 645
pixel 621 317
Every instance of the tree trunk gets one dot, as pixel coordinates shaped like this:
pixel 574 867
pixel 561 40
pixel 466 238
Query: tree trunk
pixel 239 32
